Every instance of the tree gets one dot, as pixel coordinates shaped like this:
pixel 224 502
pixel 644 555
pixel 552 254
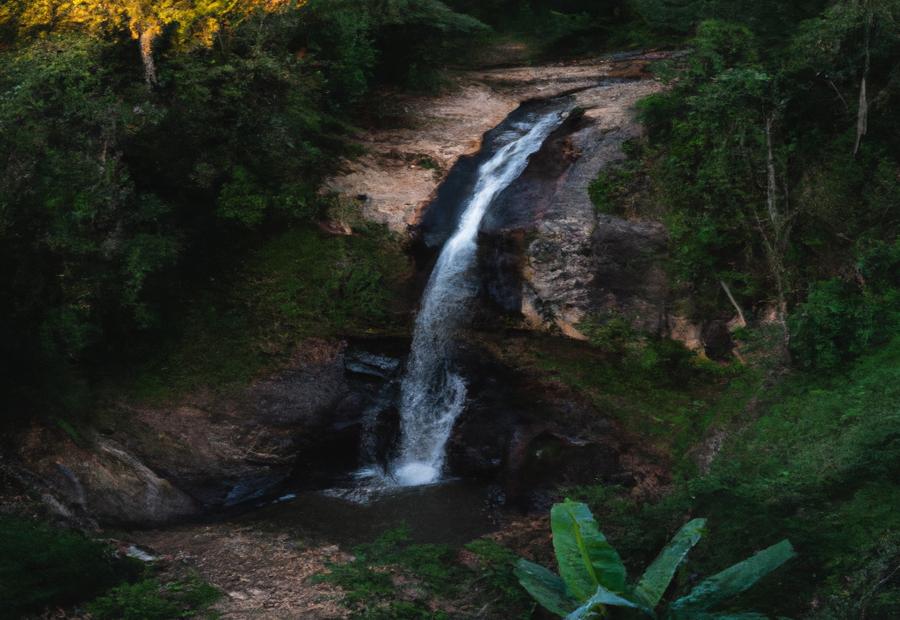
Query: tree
pixel 844 45
pixel 145 20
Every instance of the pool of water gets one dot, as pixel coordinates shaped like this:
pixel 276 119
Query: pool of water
pixel 452 512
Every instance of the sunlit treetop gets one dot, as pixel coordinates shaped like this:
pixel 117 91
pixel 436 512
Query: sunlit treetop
pixel 194 21
pixel 194 16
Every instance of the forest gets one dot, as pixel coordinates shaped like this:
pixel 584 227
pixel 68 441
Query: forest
pixel 427 309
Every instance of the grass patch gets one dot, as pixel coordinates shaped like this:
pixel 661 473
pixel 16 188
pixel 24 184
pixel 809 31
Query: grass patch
pixel 391 578
pixel 390 563
pixel 302 283
pixel 149 599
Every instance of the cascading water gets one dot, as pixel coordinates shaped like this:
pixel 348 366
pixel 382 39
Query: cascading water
pixel 432 395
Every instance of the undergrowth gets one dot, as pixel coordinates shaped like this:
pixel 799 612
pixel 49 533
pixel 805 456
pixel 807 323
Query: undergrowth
pixel 818 464
pixel 149 599
pixel 44 567
pixel 379 569
pixel 301 284
pixel 391 578
pixel 655 388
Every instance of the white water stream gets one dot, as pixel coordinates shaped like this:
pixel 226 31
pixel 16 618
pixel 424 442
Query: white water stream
pixel 432 395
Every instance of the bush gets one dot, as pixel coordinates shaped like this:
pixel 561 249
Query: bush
pixel 840 321
pixel 41 566
pixel 592 578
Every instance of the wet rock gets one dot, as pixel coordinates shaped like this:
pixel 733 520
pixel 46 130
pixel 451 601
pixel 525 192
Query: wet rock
pixel 371 364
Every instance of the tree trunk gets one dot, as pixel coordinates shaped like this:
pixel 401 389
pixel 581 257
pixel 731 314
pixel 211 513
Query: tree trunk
pixel 741 317
pixel 778 245
pixel 146 40
pixel 862 117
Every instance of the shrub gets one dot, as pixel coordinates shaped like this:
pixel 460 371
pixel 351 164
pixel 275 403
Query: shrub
pixel 42 566
pixel 592 577
pixel 840 320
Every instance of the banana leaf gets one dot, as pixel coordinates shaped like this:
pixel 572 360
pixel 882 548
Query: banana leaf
pixel 734 580
pixel 586 560
pixel 656 579
pixel 545 587
pixel 604 597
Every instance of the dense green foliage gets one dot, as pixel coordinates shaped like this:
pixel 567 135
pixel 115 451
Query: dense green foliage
pixel 132 172
pixel 817 463
pixel 774 159
pixel 298 284
pixel 592 577
pixel 40 565
pixel 43 566
pixel 561 27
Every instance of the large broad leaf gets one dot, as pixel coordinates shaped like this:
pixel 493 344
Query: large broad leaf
pixel 732 581
pixel 592 607
pixel 655 580
pixel 545 587
pixel 585 559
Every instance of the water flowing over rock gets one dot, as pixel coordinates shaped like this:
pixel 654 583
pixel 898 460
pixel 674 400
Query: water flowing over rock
pixel 432 393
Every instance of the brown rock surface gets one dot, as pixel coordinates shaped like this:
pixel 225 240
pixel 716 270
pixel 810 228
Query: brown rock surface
pixel 390 180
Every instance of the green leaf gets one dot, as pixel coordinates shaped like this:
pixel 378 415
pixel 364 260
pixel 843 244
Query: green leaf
pixel 656 578
pixel 545 587
pixel 586 560
pixel 604 597
pixel 736 579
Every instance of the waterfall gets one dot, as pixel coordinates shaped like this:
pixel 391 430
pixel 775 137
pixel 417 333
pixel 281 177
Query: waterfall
pixel 432 395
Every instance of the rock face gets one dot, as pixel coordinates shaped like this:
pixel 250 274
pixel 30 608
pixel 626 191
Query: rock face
pixel 405 163
pixel 149 465
pixel 532 435
pixel 99 482
pixel 549 257
pixel 546 252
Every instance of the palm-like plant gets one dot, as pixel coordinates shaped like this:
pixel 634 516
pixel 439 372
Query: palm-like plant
pixel 592 577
